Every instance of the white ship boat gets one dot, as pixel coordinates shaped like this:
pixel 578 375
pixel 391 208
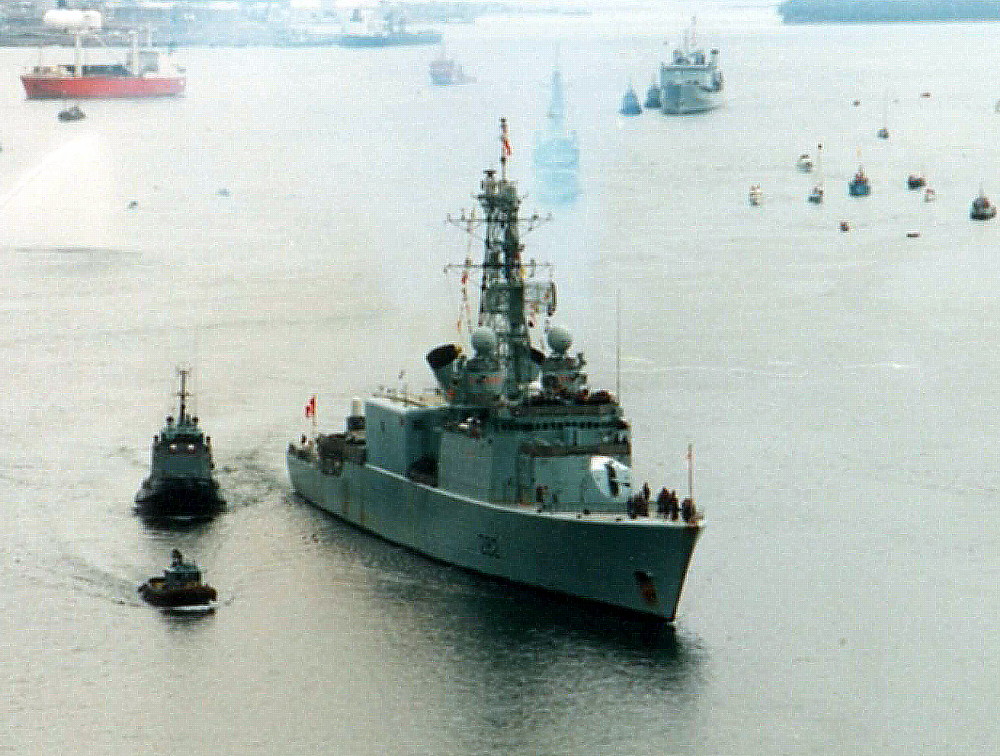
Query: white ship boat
pixel 513 467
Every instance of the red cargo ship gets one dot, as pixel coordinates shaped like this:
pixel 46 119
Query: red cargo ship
pixel 144 73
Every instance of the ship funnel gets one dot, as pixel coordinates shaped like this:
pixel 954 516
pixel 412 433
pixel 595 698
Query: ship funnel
pixel 442 361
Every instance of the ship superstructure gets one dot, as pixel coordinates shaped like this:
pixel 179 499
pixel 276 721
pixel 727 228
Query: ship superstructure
pixel 513 467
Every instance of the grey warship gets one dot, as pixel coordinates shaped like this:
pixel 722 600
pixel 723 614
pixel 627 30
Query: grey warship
pixel 181 483
pixel 512 467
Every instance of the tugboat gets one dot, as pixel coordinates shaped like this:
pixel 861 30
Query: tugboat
pixel 653 96
pixel 513 467
pixel 630 103
pixel 180 588
pixel 180 485
pixel 859 186
pixel 982 208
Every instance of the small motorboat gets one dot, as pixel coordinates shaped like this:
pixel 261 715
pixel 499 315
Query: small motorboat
pixel 882 133
pixel 845 226
pixel 859 186
pixel 74 113
pixel 916 181
pixel 630 103
pixel 929 195
pixel 756 195
pixel 816 195
pixel 982 208
pixel 804 163
pixel 180 588
pixel 912 234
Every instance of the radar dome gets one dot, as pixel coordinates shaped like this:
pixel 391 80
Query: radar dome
pixel 484 341
pixel 560 340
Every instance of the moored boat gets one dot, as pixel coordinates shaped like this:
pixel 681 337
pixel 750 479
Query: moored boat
pixel 144 72
pixel 181 587
pixel 653 98
pixel 630 102
pixel 390 30
pixel 181 483
pixel 513 467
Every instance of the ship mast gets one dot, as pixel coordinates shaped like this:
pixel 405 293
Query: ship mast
pixel 183 393
pixel 502 300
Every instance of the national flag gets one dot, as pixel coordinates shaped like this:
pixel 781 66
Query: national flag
pixel 311 407
pixel 505 138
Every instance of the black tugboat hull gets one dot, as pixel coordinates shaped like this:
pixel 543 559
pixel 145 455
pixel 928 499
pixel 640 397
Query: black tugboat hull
pixel 178 598
pixel 179 498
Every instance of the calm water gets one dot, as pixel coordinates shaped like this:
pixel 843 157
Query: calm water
pixel 839 390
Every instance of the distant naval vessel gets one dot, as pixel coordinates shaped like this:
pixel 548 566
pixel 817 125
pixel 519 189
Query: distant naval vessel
pixel 180 483
pixel 512 467
pixel 692 81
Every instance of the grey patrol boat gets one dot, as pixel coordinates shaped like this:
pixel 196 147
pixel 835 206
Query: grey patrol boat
pixel 512 467
pixel 181 483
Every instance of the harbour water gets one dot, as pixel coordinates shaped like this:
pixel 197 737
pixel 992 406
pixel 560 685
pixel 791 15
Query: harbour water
pixel 288 239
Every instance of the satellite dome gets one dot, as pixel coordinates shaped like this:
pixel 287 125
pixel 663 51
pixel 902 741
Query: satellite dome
pixel 484 341
pixel 560 340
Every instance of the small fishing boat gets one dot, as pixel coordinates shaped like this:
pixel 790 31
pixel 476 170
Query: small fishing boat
pixel 845 226
pixel 630 103
pixel 916 181
pixel 929 195
pixel 882 133
pixel 804 163
pixel 982 208
pixel 859 185
pixel 816 195
pixel 756 195
pixel 181 587
pixel 74 113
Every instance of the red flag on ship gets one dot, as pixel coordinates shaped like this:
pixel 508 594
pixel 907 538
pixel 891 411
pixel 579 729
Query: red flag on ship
pixel 505 138
pixel 311 407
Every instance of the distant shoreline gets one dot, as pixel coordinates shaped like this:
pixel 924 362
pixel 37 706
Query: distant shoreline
pixel 883 11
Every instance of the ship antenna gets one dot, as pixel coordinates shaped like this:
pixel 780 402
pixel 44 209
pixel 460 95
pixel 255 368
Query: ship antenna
pixel 618 345
pixel 183 393
pixel 690 459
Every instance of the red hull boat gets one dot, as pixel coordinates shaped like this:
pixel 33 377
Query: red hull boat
pixel 60 85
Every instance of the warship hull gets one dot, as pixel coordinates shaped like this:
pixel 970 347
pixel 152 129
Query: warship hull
pixel 678 99
pixel 636 565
